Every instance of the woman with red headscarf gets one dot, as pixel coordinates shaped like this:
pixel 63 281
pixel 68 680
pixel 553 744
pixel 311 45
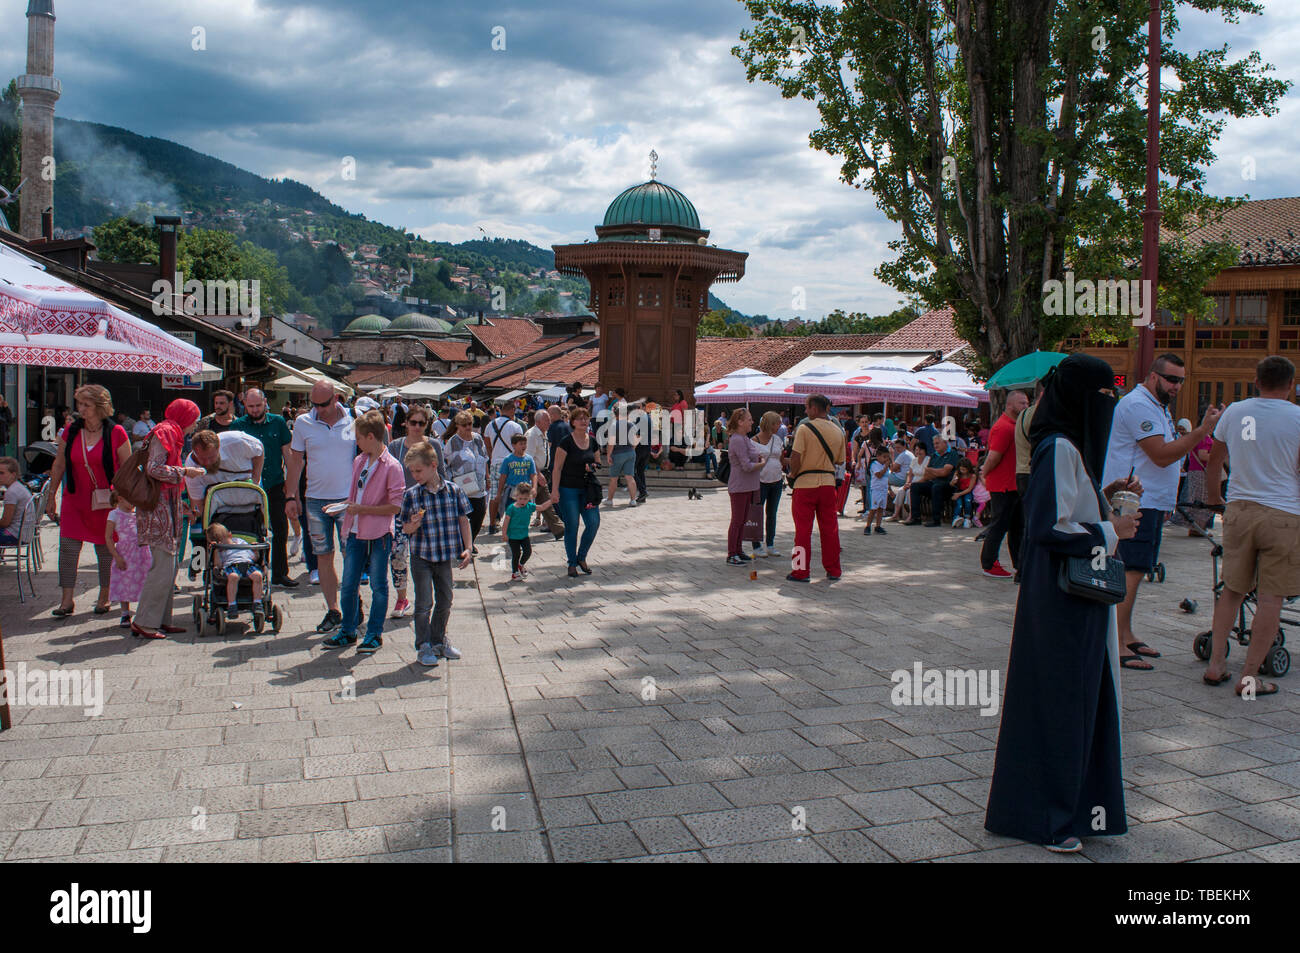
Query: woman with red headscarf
pixel 159 528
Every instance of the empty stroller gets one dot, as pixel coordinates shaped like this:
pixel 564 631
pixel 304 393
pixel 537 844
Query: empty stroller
pixel 241 507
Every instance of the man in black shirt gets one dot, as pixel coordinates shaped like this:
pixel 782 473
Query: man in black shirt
pixel 223 413
pixel 936 482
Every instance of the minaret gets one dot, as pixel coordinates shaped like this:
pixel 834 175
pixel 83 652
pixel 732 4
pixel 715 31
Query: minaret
pixel 39 91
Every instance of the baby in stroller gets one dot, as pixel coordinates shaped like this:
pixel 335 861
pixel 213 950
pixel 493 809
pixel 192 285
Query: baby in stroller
pixel 234 562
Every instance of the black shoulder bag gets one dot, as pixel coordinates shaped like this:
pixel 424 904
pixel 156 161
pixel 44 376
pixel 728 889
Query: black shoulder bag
pixel 1080 576
pixel 829 456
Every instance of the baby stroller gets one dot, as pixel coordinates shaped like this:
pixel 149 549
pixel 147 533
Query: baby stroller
pixel 241 507
pixel 1278 660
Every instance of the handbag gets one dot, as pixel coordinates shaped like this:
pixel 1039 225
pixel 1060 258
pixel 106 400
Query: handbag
pixel 723 470
pixel 594 493
pixel 1079 577
pixel 100 499
pixel 133 483
pixel 753 531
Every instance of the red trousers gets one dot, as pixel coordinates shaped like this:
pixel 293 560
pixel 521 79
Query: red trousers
pixel 819 502
pixel 740 503
pixel 842 494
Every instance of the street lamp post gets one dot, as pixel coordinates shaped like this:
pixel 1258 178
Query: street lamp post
pixel 1151 214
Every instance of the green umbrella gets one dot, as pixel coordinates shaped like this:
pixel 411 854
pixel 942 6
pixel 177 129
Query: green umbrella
pixel 1024 371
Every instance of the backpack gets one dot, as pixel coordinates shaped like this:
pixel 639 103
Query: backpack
pixel 723 471
pixel 133 483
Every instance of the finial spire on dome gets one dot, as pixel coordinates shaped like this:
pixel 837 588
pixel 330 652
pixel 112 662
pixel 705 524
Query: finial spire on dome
pixel 654 164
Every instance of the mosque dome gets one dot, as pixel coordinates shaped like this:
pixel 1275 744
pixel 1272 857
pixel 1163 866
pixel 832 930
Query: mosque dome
pixel 415 322
pixel 652 203
pixel 367 324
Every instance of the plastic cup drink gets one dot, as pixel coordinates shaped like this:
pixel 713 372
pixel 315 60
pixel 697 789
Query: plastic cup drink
pixel 1125 502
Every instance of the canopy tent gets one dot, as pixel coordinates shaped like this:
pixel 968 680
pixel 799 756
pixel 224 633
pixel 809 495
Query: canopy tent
pixel 301 380
pixel 511 395
pixel 739 386
pixel 557 391
pixel 429 387
pixel 1024 371
pixel 46 322
pixel 953 377
pixel 884 384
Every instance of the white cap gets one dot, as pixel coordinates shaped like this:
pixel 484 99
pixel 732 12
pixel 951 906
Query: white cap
pixel 1184 422
pixel 365 404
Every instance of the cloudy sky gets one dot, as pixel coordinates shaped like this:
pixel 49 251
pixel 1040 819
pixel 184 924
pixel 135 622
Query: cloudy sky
pixel 533 141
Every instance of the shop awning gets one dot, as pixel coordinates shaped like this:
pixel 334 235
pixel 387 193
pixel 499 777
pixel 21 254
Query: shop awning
pixel 301 380
pixel 429 387
pixel 46 322
pixel 511 395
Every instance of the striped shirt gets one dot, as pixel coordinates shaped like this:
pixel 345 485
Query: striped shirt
pixel 437 538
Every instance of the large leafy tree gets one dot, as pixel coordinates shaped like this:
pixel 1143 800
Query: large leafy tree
pixel 1007 139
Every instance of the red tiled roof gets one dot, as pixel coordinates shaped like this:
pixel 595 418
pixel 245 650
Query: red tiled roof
pixel 932 331
pixel 504 335
pixel 448 350
pixel 383 375
pixel 524 359
pixel 1267 231
pixel 582 365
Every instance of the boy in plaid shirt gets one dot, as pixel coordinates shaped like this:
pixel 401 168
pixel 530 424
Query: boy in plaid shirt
pixel 435 515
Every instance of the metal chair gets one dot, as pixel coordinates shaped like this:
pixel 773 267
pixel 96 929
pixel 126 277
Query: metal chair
pixel 23 550
pixel 41 500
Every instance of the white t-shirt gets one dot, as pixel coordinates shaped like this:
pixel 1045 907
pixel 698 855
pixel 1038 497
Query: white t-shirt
pixel 500 431
pixel 20 498
pixel 439 426
pixel 879 484
pixel 330 452
pixel 1139 416
pixel 1263 438
pixel 770 454
pixel 918 467
pixel 537 446
pixel 904 461
pixel 238 451
pixel 142 428
pixel 232 557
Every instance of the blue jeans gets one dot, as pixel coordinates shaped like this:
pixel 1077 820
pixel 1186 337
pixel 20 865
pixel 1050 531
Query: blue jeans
pixel 365 556
pixel 323 527
pixel 963 506
pixel 769 494
pixel 573 506
pixel 710 461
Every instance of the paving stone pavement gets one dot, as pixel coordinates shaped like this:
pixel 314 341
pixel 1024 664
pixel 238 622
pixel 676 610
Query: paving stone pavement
pixel 667 708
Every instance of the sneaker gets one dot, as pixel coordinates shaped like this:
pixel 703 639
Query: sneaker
pixel 609 504
pixel 793 578
pixel 743 558
pixel 295 544
pixel 966 524
pixel 956 522
pixel 402 609
pixel 760 550
pixel 635 503
pixel 880 531
pixel 315 577
pixel 1068 845
pixel 772 551
pixel 523 573
pixel 333 619
pixel 997 572
pixel 736 561
pixel 232 614
pixel 339 641
pixel 370 646
pixel 514 577
pixel 641 498
pixel 426 656
pixel 447 650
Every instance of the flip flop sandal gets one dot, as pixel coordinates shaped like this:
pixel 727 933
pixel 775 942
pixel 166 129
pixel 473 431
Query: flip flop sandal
pixel 1215 681
pixel 1263 688
pixel 61 612
pixel 1137 650
pixel 102 610
pixel 1125 660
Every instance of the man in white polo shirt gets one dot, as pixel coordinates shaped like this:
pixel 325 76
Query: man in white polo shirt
pixel 328 437
pixel 1143 443
pixel 498 434
pixel 1261 527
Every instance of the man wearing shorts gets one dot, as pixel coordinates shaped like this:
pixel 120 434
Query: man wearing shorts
pixel 1261 526
pixel 1143 443
pixel 327 436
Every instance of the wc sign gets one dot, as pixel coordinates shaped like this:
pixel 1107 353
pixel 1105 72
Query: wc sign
pixel 179 382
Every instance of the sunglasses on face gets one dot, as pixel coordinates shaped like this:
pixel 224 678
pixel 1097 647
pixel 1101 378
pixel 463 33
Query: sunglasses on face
pixel 1171 378
pixel 417 423
pixel 326 404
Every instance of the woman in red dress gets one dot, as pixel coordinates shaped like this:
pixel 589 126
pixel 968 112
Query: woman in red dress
pixel 90 451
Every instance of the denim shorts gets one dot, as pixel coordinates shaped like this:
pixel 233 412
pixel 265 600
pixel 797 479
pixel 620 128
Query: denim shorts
pixel 1142 552
pixel 323 528
pixel 621 464
pixel 242 570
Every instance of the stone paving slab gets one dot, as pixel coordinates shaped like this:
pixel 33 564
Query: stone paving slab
pixel 668 708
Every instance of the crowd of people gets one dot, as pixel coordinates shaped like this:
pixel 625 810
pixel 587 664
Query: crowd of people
pixel 399 489
pixel 405 489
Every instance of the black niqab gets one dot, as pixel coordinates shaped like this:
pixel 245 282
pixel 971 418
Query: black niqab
pixel 1073 406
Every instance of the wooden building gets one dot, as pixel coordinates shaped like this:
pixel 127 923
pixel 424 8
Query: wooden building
pixel 1256 312
pixel 650 270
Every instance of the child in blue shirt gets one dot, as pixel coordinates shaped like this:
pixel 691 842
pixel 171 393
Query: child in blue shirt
pixel 514 527
pixel 519 467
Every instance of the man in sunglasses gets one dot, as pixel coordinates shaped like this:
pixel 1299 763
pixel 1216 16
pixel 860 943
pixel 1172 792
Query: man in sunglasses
pixel 273 432
pixel 1143 443
pixel 327 436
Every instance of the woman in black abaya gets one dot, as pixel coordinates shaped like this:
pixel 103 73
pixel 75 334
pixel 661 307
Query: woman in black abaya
pixel 1057 773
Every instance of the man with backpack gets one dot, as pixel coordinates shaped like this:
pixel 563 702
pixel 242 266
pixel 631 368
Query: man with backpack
pixel 818 449
pixel 498 434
